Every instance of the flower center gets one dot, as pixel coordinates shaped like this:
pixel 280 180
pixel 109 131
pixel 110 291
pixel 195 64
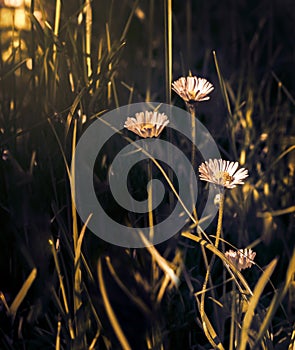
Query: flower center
pixel 147 126
pixel 224 178
pixel 192 94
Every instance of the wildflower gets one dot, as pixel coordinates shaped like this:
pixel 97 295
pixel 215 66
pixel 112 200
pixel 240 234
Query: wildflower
pixel 192 89
pixel 242 259
pixel 147 124
pixel 222 173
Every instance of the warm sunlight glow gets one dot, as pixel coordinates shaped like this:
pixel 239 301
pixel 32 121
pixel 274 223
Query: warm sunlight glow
pixel 13 3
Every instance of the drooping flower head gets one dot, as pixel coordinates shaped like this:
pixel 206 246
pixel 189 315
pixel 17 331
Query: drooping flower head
pixel 147 124
pixel 192 89
pixel 222 173
pixel 242 259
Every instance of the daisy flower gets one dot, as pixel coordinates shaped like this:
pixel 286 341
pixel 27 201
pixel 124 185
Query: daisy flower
pixel 147 124
pixel 222 173
pixel 192 89
pixel 242 259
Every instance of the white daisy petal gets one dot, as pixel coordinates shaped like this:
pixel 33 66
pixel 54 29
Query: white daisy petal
pixel 222 173
pixel 192 89
pixel 242 259
pixel 147 124
pixel 232 168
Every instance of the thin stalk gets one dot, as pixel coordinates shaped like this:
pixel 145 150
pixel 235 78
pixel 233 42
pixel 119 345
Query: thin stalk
pixel 192 110
pixel 151 225
pixel 109 310
pixel 233 318
pixel 219 223
pixel 55 32
pixel 189 31
pixel 88 28
pixel 150 51
pixel 72 179
pixel 62 288
pixel 57 342
pixel 150 201
pixel 168 70
pixel 32 7
pixel 218 233
pixel 168 48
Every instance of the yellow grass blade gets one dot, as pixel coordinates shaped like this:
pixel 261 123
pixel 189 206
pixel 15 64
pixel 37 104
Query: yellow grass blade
pixel 127 25
pixel 72 182
pixel 110 312
pixel 22 293
pixel 168 48
pixel 275 303
pixel 279 212
pixel 56 26
pixel 217 252
pixel 4 302
pixel 222 85
pixel 209 330
pixel 94 341
pixel 57 342
pixel 77 279
pixel 162 263
pixel 62 288
pixel 88 24
pixel 125 289
pixel 263 280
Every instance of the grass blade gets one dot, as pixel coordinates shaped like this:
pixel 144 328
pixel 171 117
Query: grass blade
pixel 22 293
pixel 110 312
pixel 77 280
pixel 276 301
pixel 254 302
pixel 217 252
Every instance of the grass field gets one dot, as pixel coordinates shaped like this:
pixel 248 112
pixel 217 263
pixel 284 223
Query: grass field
pixel 63 65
